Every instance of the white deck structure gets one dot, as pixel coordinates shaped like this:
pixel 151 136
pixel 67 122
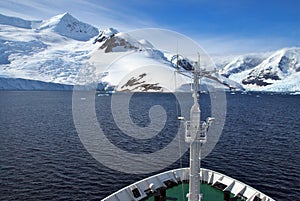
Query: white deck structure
pixel 141 190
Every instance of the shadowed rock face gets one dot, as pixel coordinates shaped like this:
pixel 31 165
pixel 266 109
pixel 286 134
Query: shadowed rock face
pixel 286 64
pixel 180 61
pixel 261 78
pixel 185 64
pixel 255 81
pixel 138 84
pixel 114 42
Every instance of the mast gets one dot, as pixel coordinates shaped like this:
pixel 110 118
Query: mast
pixel 195 134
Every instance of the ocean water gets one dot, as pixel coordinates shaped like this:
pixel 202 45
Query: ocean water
pixel 42 157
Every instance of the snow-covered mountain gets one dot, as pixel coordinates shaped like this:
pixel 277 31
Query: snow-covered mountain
pixel 241 63
pixel 67 25
pixel 277 72
pixel 53 50
pixel 139 66
pixel 59 50
pixel 64 51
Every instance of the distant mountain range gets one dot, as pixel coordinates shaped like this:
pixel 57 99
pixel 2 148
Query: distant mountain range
pixel 279 71
pixel 50 54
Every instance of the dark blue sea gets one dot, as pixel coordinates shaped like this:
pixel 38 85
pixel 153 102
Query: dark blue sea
pixel 42 157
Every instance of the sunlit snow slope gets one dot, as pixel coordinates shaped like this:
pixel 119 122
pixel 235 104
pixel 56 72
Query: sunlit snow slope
pixel 277 72
pixel 64 51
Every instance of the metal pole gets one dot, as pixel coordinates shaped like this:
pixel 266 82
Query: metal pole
pixel 194 180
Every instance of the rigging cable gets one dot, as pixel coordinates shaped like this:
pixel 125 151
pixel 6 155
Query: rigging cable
pixel 179 121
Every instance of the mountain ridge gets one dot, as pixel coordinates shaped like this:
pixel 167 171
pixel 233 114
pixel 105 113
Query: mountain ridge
pixel 55 50
pixel 271 73
pixel 66 25
pixel 18 22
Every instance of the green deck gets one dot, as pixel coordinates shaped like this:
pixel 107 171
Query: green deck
pixel 178 193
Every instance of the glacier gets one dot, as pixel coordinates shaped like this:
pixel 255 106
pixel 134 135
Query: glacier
pixel 24 84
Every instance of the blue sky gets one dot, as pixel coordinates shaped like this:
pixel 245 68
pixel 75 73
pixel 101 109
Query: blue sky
pixel 220 27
